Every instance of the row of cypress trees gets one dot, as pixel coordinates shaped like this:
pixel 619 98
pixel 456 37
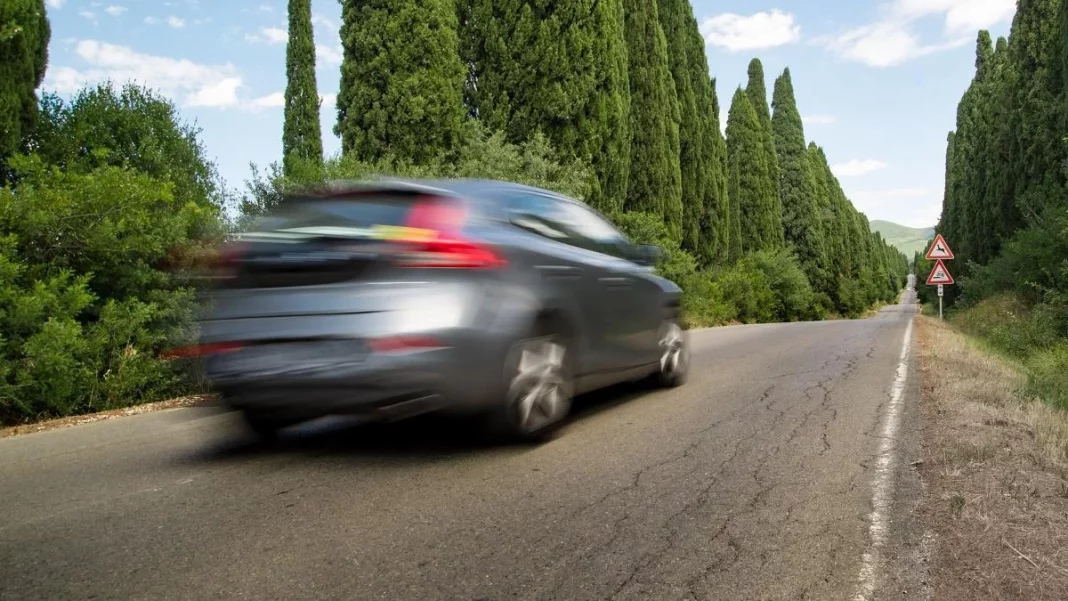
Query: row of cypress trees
pixel 622 85
pixel 1005 162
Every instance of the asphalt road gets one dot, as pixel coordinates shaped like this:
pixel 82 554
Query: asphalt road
pixel 781 471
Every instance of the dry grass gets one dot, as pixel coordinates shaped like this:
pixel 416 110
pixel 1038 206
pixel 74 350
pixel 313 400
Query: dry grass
pixel 997 471
pixel 66 422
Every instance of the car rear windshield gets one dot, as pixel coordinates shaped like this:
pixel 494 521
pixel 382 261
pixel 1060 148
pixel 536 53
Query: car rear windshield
pixel 348 217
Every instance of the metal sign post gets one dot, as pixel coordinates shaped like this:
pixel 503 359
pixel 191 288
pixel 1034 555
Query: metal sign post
pixel 940 293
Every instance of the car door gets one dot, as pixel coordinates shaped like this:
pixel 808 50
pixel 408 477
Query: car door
pixel 567 273
pixel 629 298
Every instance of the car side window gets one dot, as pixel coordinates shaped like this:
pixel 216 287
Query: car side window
pixel 592 231
pixel 537 214
pixel 565 221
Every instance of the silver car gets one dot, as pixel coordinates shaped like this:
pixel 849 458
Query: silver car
pixel 392 298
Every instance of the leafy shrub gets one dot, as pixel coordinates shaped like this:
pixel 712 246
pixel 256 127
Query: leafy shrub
pixel 1048 375
pixel 1011 325
pixel 794 297
pixel 747 290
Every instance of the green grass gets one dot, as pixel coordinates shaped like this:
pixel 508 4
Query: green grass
pixel 1028 335
pixel 908 240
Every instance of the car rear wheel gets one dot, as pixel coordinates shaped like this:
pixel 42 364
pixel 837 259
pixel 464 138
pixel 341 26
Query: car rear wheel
pixel 674 355
pixel 539 387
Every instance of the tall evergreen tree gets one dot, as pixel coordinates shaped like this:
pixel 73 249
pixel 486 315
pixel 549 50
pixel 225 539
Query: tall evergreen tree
pixel 401 79
pixel 797 186
pixel 1036 120
pixel 753 220
pixel 716 224
pixel 674 18
pixel 559 68
pixel 24 37
pixel 656 176
pixel 756 90
pixel 302 140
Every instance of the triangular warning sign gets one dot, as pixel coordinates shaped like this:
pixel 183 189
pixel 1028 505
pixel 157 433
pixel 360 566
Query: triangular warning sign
pixel 939 275
pixel 939 250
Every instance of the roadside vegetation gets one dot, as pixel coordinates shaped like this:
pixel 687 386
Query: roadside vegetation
pixel 996 468
pixel 109 200
pixel 1005 212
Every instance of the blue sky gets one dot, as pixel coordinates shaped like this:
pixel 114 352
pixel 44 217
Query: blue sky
pixel 877 81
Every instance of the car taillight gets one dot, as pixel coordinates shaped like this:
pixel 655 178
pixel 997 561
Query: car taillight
pixel 443 246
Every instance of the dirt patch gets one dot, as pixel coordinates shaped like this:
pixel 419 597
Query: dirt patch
pixel 65 422
pixel 997 475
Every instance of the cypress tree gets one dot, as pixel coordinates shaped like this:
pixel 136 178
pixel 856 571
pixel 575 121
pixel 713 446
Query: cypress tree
pixel 401 79
pixel 559 68
pixel 656 176
pixel 24 37
pixel 799 204
pixel 716 224
pixel 302 140
pixel 757 92
pixel 673 16
pixel 1036 121
pixel 748 179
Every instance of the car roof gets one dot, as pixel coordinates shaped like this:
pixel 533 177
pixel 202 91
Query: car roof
pixel 452 187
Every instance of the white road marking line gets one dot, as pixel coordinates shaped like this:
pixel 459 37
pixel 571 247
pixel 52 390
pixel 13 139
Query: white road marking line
pixel 883 481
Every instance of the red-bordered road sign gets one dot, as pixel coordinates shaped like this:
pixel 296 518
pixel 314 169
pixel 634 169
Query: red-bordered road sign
pixel 939 250
pixel 939 275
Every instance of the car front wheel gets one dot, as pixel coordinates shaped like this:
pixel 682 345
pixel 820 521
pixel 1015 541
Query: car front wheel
pixel 674 368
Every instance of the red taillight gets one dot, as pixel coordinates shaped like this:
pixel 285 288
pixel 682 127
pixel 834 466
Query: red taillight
pixel 395 344
pixel 445 246
pixel 201 350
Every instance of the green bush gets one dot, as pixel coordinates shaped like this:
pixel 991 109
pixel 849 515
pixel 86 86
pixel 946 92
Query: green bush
pixel 1011 325
pixel 794 298
pixel 92 228
pixel 1048 375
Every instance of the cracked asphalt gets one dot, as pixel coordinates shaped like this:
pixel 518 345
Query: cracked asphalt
pixel 750 482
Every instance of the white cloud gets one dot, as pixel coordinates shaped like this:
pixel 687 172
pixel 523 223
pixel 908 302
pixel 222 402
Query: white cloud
pixel 175 22
pixel 55 3
pixel 189 83
pixel 328 100
pixel 151 20
pixel 270 101
pixel 886 44
pixel 88 14
pixel 269 35
pixel 857 167
pixel 892 40
pixel 819 119
pixel 758 31
pixel 328 55
pixel 115 10
pixel 267 8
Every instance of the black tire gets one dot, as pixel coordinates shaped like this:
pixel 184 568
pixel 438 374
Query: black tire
pixel 673 371
pixel 524 419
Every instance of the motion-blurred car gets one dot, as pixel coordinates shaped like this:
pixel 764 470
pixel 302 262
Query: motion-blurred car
pixel 394 298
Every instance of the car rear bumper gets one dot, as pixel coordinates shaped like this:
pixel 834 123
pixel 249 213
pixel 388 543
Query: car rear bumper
pixel 303 385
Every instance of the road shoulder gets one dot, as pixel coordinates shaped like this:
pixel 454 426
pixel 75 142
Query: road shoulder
pixel 996 475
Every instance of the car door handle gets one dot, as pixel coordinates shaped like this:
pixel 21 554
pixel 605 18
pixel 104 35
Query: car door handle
pixel 616 282
pixel 565 272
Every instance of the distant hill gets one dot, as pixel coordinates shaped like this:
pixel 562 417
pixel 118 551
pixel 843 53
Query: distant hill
pixel 908 240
